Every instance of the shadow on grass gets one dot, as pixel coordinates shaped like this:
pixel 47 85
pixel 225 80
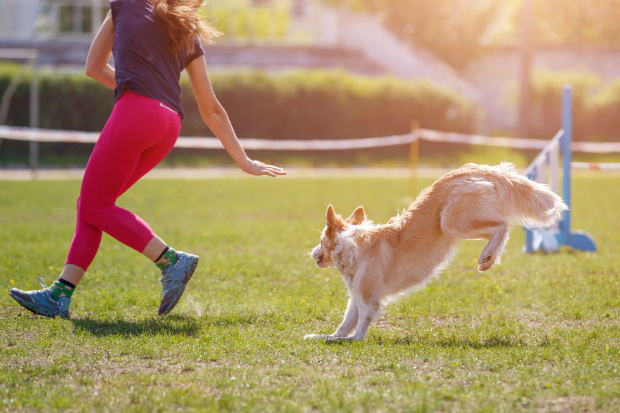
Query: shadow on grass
pixel 451 342
pixel 171 325
pixel 239 319
pixel 442 343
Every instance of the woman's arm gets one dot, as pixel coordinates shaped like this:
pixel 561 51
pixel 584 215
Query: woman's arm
pixel 214 115
pixel 99 54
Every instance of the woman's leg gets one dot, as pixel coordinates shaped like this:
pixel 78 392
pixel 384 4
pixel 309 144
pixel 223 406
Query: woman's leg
pixel 133 142
pixel 137 137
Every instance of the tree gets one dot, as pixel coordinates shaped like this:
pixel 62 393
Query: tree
pixel 578 22
pixel 453 29
pixel 459 31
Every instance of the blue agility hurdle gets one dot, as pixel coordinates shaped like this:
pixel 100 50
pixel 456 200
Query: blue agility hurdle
pixel 550 239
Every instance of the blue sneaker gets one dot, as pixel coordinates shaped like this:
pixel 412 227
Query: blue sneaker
pixel 174 279
pixel 41 301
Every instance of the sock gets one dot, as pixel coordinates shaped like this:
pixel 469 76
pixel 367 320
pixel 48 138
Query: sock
pixel 62 288
pixel 162 253
pixel 167 259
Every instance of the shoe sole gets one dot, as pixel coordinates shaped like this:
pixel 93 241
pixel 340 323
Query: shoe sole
pixel 185 281
pixel 25 304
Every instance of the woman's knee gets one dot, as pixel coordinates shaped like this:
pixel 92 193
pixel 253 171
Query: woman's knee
pixel 89 209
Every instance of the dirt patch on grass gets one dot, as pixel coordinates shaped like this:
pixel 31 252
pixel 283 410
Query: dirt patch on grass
pixel 568 404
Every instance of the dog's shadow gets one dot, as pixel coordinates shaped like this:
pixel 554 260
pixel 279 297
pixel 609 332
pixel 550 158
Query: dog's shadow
pixel 442 342
pixel 452 342
pixel 178 325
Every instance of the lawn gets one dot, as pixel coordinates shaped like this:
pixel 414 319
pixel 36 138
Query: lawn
pixel 538 333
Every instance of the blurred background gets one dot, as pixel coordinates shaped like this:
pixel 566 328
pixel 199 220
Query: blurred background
pixel 341 69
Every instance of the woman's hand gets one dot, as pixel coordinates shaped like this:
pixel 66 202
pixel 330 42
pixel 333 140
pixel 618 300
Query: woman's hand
pixel 259 168
pixel 214 115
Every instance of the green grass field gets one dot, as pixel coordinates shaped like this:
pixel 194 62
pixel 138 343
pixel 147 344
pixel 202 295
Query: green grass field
pixel 538 333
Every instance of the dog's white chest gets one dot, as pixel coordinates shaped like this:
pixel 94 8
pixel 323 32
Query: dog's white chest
pixel 344 258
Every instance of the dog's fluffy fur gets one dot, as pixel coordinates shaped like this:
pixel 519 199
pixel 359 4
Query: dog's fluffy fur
pixel 379 262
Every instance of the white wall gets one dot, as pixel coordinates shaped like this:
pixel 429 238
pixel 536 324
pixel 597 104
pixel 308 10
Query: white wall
pixel 19 18
pixel 364 33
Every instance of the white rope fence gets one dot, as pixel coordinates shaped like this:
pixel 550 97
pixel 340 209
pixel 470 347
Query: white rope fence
pixel 53 135
pixel 595 166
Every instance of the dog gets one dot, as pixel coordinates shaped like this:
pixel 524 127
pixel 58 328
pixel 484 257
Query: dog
pixel 380 262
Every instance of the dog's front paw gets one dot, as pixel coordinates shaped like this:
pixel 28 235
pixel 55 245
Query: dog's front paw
pixel 341 339
pixel 317 337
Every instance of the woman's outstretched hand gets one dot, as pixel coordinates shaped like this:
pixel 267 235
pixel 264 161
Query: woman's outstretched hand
pixel 259 168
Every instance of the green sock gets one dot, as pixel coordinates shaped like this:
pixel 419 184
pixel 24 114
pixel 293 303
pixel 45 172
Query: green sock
pixel 60 290
pixel 168 259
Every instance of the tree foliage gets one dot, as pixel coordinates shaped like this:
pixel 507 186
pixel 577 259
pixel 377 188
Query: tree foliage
pixel 453 29
pixel 459 31
pixel 577 22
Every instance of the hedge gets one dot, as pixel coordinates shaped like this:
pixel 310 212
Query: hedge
pixel 596 105
pixel 297 105
pixel 330 105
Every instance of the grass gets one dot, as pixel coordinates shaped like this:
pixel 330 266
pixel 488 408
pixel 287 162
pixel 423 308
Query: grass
pixel 538 333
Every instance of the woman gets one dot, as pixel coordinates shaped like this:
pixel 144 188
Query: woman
pixel 152 42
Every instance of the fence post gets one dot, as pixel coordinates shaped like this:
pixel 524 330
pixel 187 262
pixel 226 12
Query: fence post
pixel 414 154
pixel 34 117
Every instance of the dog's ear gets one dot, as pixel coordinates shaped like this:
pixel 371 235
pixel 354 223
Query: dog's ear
pixel 357 217
pixel 330 215
pixel 334 221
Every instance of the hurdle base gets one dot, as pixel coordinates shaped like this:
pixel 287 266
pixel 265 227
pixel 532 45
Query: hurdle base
pixel 581 240
pixel 549 240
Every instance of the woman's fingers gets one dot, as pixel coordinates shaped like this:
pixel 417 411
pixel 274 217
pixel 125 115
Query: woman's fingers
pixel 266 169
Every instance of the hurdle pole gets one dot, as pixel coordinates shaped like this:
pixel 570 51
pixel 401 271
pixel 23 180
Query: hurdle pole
pixel 567 138
pixel 414 153
pixel 577 239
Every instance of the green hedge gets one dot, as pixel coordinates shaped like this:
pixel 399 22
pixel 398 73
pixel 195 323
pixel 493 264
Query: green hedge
pixel 329 105
pixel 605 108
pixel 300 105
pixel 297 105
pixel 67 101
pixel 596 105
pixel 546 93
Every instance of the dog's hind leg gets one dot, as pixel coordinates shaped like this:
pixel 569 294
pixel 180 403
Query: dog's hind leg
pixel 468 221
pixel 492 252
pixel 497 234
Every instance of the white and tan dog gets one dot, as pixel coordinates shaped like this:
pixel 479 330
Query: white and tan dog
pixel 380 262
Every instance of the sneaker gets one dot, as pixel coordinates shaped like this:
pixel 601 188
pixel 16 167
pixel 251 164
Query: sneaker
pixel 174 279
pixel 41 301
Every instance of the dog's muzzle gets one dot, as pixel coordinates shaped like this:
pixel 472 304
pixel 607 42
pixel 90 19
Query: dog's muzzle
pixel 318 258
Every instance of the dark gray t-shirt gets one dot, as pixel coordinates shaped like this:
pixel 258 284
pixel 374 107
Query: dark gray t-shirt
pixel 142 60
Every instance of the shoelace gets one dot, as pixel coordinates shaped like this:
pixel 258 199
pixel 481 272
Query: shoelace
pixel 167 277
pixel 45 287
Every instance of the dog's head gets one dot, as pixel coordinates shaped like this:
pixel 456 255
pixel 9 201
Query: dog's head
pixel 322 253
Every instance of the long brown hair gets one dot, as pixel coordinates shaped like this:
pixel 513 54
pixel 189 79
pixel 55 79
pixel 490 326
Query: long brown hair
pixel 180 21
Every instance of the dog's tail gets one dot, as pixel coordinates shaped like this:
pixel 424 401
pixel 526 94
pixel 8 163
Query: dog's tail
pixel 528 202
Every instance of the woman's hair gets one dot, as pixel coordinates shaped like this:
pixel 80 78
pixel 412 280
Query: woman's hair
pixel 180 21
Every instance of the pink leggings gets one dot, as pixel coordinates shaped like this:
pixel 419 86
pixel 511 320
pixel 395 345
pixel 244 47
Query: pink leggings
pixel 139 134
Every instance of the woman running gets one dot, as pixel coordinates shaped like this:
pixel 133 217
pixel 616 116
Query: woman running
pixel 152 42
